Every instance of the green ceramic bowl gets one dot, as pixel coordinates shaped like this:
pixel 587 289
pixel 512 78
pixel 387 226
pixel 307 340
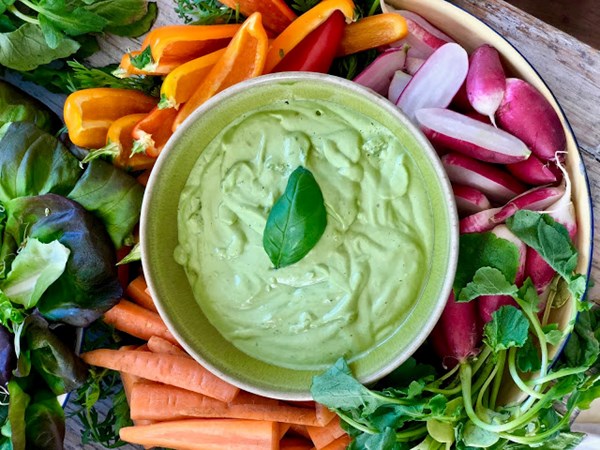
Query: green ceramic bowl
pixel 169 284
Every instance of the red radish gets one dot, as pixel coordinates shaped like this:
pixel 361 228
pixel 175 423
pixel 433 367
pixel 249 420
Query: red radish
pixel 423 30
pixel 459 330
pixel 460 102
pixel 495 183
pixel 488 304
pixel 486 81
pixel 533 171
pixel 527 114
pixel 399 82
pixel 379 73
pixel 471 137
pixel 479 222
pixel 536 199
pixel 469 200
pixel 480 118
pixel 413 64
pixel 437 81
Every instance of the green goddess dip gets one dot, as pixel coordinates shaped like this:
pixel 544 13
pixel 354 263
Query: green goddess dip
pixel 360 281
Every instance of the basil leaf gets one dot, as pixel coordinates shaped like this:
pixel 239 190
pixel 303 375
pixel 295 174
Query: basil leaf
pixel 297 220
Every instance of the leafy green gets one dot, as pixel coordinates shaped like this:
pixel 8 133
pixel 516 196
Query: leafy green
pixel 508 328
pixel 18 402
pixel 89 286
pixel 33 270
pixel 528 359
pixel 206 12
pixel 26 48
pixel 477 250
pixel 52 359
pixel 139 27
pixel 7 356
pixel 297 220
pixel 111 195
pixel 45 422
pixel 487 281
pixel 34 162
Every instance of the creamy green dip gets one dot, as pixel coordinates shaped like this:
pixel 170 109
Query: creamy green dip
pixel 360 281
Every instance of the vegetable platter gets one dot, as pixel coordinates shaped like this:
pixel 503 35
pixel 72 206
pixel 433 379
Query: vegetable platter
pixel 443 422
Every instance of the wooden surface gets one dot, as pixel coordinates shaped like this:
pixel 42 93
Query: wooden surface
pixel 569 67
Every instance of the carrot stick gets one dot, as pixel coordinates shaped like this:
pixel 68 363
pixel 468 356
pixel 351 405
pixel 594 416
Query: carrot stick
pixel 156 344
pixel 137 291
pixel 339 444
pixel 283 429
pixel 137 321
pixel 178 371
pixel 289 443
pixel 323 436
pixel 299 430
pixel 206 434
pixel 159 402
pixel 324 415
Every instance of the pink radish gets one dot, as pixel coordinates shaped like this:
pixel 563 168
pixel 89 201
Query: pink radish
pixel 480 118
pixel 495 183
pixel 469 200
pixel 536 199
pixel 525 113
pixel 486 81
pixel 437 81
pixel 413 64
pixel 471 137
pixel 458 332
pixel 423 37
pixel 479 222
pixel 533 171
pixel 488 304
pixel 399 82
pixel 379 73
pixel 460 102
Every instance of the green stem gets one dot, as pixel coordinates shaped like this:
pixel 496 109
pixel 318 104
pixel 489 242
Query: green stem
pixel 466 376
pixel 487 351
pixel 497 380
pixel 373 7
pixel 512 367
pixel 539 438
pixel 20 15
pixel 395 401
pixel 479 404
pixel 355 424
pixel 111 150
pixel 539 334
pixel 559 374
pixel 446 392
pixel 412 434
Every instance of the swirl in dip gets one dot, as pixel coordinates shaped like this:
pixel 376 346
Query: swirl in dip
pixel 360 281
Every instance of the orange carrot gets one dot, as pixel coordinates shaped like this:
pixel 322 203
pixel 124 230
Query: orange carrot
pixel 323 436
pixel 178 371
pixel 289 443
pixel 283 428
pixel 160 402
pixel 137 291
pixel 206 434
pixel 324 415
pixel 156 344
pixel 137 321
pixel 339 444
pixel 142 178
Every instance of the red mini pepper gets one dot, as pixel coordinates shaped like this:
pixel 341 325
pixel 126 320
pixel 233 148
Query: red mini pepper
pixel 316 51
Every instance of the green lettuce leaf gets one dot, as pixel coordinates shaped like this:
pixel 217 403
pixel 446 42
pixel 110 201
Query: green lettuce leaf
pixel 113 196
pixel 26 48
pixel 18 402
pixel 45 422
pixel 33 270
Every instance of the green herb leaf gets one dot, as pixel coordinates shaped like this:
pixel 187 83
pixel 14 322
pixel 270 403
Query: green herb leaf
pixel 548 237
pixel 487 281
pixel 71 20
pixel 137 28
pixel 508 328
pixel 26 48
pixel 528 358
pixel 143 59
pixel 530 300
pixel 297 220
pixel 479 250
pixel 206 12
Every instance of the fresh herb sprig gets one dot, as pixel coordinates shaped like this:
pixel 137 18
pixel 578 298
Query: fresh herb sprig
pixel 465 407
pixel 206 12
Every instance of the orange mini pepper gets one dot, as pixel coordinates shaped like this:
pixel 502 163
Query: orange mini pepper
pixel 244 58
pixel 276 14
pixel 88 113
pixel 181 83
pixel 152 132
pixel 304 25
pixel 372 32
pixel 173 45
pixel 126 68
